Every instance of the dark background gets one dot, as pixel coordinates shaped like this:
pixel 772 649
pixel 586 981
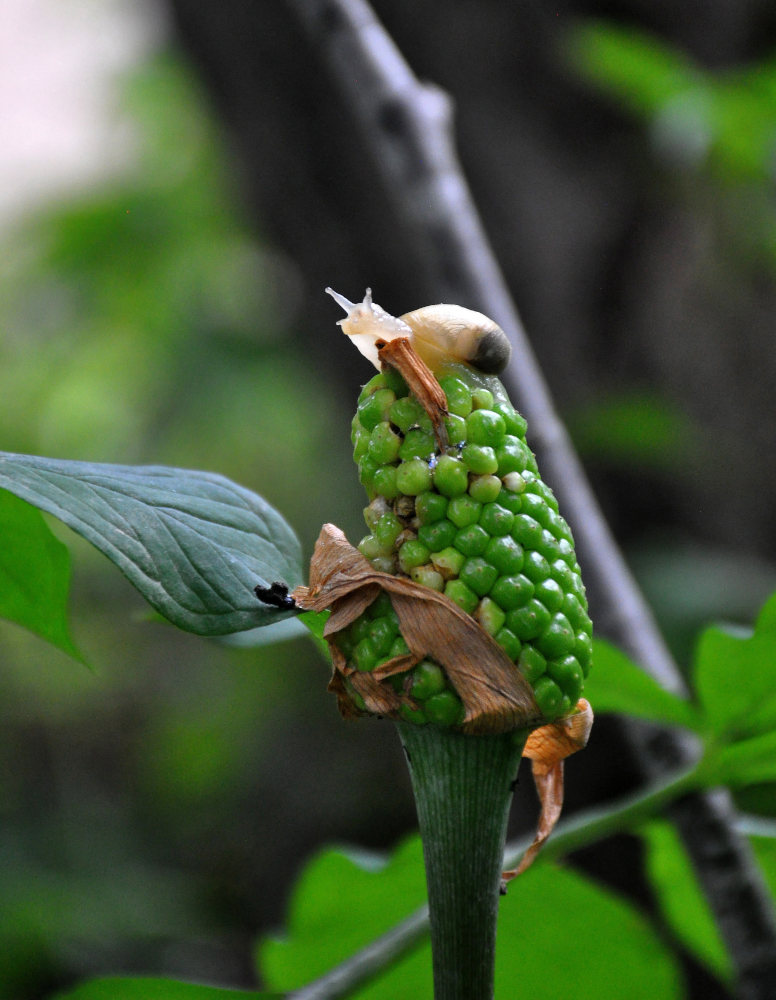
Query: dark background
pixel 156 810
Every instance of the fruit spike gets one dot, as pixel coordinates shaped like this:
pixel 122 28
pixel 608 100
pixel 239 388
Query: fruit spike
pixel 471 519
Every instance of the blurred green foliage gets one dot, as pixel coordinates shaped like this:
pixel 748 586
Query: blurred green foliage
pixel 143 323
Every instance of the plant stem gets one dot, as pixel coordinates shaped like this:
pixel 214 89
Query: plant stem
pixel 463 790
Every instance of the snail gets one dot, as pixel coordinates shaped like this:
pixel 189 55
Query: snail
pixel 439 333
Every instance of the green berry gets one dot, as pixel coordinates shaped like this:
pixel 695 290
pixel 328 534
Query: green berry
pixel 482 399
pixel 478 575
pixel 529 621
pixel 376 408
pixel 444 709
pixel 430 507
pixel 459 396
pixel 384 443
pixel 558 638
pixel 415 715
pixel 456 429
pixel 365 654
pixel 472 541
pixel 413 477
pixel 548 696
pixel 395 381
pixel 511 592
pixel 505 554
pixel 531 663
pixel 463 511
pixel 479 459
pixel 417 444
pixel 496 520
pixel 448 562
pixel 451 476
pixel 387 530
pixel 428 679
pixel 405 413
pixel 486 428
pixel 549 592
pixel 463 596
pixel 535 566
pixel 490 616
pixel 428 576
pixel 509 643
pixel 384 482
pixel 381 634
pixel 485 489
pixel 437 536
pixel 413 553
pixel 526 531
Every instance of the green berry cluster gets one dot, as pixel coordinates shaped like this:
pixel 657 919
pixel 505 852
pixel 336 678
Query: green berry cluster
pixel 475 522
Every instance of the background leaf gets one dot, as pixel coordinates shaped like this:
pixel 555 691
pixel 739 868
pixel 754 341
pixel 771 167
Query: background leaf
pixel 735 679
pixel 342 902
pixel 681 898
pixel 193 543
pixel 34 574
pixel 616 684
pixel 561 935
pixel 118 988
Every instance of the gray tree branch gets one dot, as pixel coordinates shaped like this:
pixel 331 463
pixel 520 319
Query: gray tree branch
pixel 407 127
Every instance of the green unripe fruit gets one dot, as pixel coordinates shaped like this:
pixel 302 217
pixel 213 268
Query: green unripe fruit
pixel 448 562
pixel 413 477
pixel 478 575
pixel 405 413
pixel 459 396
pixel 465 513
pixel 437 536
pixel 479 459
pixel 511 592
pixel 472 541
pixel 417 444
pixel 376 408
pixel 486 428
pixel 490 616
pixel 451 477
pixel 505 555
pixel 444 709
pixel 384 443
pixel 430 507
pixel 428 679
pixel 463 596
pixel 413 553
pixel 482 399
pixel 485 489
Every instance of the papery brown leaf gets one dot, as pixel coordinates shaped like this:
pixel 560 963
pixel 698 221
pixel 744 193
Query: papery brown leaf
pixel 548 747
pixel 421 381
pixel 496 696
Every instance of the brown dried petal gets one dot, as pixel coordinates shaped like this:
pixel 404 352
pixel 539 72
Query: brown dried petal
pixel 496 696
pixel 548 747
pixel 401 355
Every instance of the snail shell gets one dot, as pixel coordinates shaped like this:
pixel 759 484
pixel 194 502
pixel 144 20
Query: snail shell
pixel 439 333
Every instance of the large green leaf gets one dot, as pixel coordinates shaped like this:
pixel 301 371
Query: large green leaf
pixel 342 902
pixel 144 988
pixel 735 679
pixel 561 935
pixel 616 684
pixel 681 898
pixel 193 543
pixel 745 762
pixel 34 574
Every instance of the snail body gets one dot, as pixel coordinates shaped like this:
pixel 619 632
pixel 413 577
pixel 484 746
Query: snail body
pixel 439 333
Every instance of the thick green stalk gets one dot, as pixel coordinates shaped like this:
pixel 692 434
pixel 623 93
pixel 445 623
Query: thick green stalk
pixel 463 790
